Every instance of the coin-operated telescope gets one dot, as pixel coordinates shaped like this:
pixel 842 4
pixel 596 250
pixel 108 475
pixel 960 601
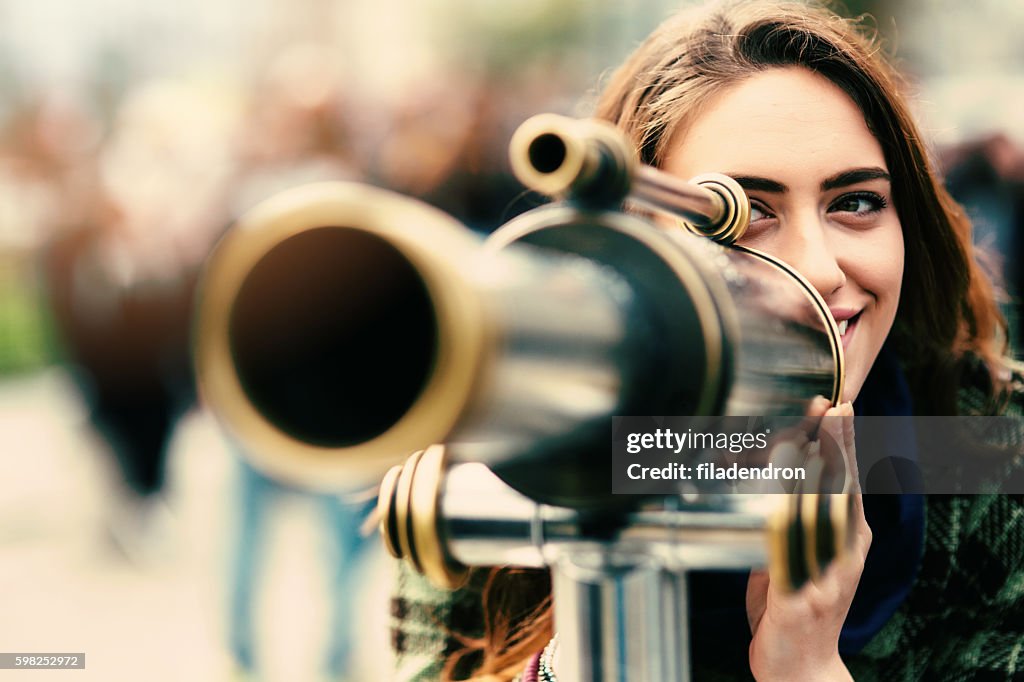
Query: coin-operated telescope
pixel 342 327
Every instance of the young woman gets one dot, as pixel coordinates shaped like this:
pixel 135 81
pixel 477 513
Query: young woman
pixel 806 114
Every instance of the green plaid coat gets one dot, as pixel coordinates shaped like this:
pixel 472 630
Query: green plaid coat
pixel 964 617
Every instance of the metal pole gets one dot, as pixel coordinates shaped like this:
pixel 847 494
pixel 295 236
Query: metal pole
pixel 619 618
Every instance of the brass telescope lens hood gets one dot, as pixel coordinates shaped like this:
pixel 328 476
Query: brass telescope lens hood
pixel 359 241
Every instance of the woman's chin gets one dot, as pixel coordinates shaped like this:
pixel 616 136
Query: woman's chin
pixel 852 383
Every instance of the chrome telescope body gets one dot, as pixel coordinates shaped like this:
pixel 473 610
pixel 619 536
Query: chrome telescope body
pixel 618 580
pixel 342 327
pixel 444 518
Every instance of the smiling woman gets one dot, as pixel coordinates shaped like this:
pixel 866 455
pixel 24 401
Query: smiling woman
pixel 805 113
pixel 820 195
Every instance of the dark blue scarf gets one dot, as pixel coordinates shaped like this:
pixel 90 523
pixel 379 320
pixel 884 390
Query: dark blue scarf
pixel 896 521
pixel 719 629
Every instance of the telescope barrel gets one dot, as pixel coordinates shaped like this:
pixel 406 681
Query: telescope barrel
pixel 342 327
pixel 700 207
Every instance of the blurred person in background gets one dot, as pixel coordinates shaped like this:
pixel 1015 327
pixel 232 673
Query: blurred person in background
pixel 46 149
pixel 121 270
pixel 986 175
pixel 448 145
pixel 296 133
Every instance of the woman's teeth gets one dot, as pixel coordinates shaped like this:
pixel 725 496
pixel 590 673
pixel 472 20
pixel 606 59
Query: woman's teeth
pixel 842 327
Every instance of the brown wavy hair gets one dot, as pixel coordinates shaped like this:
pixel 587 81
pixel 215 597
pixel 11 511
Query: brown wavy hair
pixel 947 315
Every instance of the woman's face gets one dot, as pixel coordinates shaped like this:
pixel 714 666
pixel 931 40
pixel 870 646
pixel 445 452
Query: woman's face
pixel 820 195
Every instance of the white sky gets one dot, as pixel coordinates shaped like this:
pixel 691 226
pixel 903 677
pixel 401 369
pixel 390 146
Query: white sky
pixel 387 41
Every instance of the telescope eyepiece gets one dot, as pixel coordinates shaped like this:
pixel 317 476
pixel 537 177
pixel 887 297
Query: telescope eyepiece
pixel 586 160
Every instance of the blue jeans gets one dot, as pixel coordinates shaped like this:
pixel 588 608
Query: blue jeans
pixel 256 495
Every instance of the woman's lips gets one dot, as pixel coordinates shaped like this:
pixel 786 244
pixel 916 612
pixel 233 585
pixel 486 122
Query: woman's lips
pixel 846 329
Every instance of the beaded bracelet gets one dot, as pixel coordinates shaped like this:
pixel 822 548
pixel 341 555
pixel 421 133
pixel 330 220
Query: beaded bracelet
pixel 546 671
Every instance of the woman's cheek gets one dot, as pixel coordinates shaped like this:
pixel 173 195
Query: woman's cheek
pixel 874 259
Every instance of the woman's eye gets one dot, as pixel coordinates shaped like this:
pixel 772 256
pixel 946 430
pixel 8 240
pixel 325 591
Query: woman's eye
pixel 762 222
pixel 758 212
pixel 859 203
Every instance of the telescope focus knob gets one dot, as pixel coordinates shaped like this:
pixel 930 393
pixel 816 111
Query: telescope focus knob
pixel 408 506
pixel 736 217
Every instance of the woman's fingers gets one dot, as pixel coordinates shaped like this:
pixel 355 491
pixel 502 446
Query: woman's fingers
pixel 757 597
pixel 795 635
pixel 838 448
pixel 839 427
pixel 818 406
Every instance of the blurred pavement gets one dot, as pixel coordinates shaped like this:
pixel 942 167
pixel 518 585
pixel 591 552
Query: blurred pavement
pixel 160 614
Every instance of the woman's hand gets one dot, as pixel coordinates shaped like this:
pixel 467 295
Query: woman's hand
pixel 796 635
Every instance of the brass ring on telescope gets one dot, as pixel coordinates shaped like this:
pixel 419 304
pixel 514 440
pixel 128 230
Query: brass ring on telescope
pixel 809 520
pixel 466 337
pixel 786 553
pixel 826 517
pixel 831 328
pixel 424 499
pixel 841 518
pixel 775 541
pixel 403 510
pixel 737 218
pixel 811 488
pixel 386 511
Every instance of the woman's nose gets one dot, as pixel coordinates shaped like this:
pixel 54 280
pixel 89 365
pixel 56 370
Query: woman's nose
pixel 814 255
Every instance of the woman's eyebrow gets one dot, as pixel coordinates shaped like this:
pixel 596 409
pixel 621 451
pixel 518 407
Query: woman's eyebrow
pixel 843 179
pixel 852 177
pixel 751 182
